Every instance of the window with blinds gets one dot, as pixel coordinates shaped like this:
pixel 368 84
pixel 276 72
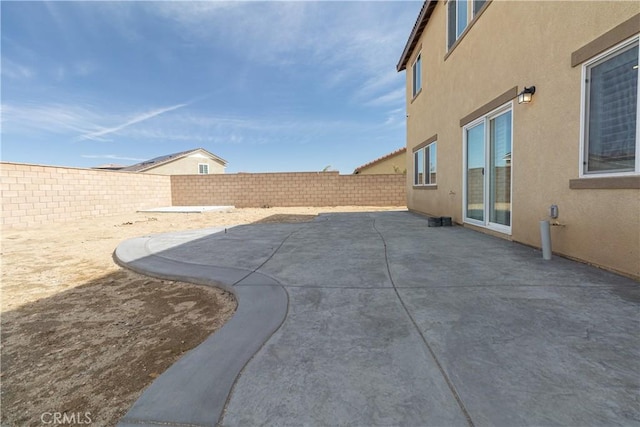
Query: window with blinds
pixel 611 122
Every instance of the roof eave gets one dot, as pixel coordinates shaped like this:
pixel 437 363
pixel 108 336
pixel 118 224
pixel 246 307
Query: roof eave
pixel 416 32
pixel 173 157
pixel 218 158
pixel 380 159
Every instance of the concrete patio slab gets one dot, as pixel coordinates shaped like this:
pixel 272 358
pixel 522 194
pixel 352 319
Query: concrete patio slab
pixel 344 357
pixel 529 355
pixel 337 251
pixel 389 322
pixel 237 247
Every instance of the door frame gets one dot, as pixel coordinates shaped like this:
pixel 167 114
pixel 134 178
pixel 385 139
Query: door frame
pixel 486 120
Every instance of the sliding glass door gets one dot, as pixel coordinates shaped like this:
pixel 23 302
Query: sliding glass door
pixel 475 173
pixel 500 170
pixel 487 169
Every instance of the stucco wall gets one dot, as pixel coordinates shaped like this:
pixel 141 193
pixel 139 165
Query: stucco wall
pixel 517 44
pixel 386 166
pixel 289 189
pixel 33 194
pixel 187 166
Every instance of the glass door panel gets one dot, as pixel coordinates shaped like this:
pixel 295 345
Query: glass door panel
pixel 475 172
pixel 500 170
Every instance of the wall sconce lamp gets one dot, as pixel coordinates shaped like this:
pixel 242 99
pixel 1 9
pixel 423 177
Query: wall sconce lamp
pixel 525 96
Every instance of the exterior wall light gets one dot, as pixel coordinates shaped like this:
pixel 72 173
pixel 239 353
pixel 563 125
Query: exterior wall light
pixel 525 96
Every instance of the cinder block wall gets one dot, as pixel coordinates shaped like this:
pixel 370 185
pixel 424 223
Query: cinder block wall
pixel 289 189
pixel 34 194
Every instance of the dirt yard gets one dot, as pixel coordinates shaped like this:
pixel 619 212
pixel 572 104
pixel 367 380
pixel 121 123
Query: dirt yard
pixel 83 337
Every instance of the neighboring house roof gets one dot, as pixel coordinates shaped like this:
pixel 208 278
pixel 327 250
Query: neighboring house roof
pixel 110 166
pixel 418 28
pixel 149 164
pixel 378 160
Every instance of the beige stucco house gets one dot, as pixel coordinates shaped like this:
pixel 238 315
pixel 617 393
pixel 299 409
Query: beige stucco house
pixel 391 163
pixel 496 165
pixel 191 162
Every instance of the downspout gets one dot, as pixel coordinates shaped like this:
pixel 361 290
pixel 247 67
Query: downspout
pixel 545 237
pixel 545 231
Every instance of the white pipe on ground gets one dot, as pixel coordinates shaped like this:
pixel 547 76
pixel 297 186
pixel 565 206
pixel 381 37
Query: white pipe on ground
pixel 545 236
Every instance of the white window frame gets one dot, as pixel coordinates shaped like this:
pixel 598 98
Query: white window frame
pixel 475 11
pixel 202 166
pixel 416 76
pixel 486 119
pixel 584 111
pixel 425 165
pixel 450 43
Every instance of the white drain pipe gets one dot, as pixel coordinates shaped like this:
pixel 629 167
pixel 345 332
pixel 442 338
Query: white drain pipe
pixel 545 236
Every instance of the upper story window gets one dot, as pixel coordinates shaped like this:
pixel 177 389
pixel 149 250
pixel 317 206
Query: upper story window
pixel 203 168
pixel 416 69
pixel 459 14
pixel 477 5
pixel 425 165
pixel 610 133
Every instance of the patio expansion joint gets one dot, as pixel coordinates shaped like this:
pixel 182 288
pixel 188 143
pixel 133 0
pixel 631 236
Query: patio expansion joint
pixel 268 338
pixel 233 386
pixel 450 384
pixel 255 270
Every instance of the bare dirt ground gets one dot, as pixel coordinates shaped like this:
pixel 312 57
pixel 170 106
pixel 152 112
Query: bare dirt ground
pixel 83 337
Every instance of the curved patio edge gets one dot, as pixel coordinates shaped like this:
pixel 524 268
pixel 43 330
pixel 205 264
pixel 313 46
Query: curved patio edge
pixel 194 390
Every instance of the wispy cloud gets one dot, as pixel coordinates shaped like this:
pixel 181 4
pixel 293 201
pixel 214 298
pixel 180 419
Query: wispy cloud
pixel 14 70
pixel 49 118
pixel 76 69
pixel 352 43
pixel 393 97
pixel 97 135
pixel 88 19
pixel 74 119
pixel 396 118
pixel 182 127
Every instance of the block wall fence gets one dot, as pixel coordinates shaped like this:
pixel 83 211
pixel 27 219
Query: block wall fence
pixel 247 190
pixel 34 194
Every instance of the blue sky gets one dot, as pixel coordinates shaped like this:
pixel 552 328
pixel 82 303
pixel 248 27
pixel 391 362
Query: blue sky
pixel 268 86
